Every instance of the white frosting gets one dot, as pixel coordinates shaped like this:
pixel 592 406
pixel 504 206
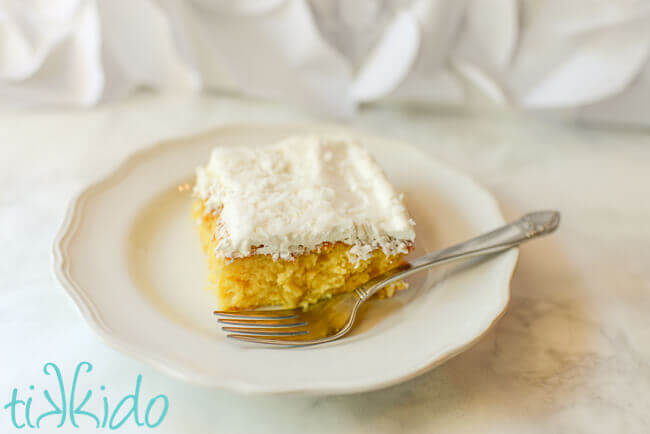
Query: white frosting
pixel 290 197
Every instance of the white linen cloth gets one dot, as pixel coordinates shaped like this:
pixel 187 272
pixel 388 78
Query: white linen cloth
pixel 332 55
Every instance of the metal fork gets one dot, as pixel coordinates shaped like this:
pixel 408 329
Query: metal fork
pixel 332 319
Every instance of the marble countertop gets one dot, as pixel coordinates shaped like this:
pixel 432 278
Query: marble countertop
pixel 572 353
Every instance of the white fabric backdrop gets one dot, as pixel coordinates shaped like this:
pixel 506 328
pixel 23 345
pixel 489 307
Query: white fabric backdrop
pixel 331 55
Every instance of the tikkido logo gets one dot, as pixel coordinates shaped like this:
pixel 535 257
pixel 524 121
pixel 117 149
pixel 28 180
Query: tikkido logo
pixel 75 406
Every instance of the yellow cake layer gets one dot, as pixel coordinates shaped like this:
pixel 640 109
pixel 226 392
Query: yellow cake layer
pixel 259 280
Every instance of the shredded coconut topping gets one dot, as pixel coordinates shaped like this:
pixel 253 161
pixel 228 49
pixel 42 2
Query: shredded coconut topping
pixel 287 199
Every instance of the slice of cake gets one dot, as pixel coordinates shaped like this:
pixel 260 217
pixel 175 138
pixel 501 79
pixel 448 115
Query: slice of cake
pixel 295 222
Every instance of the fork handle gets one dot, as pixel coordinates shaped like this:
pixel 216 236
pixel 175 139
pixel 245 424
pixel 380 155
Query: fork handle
pixel 528 227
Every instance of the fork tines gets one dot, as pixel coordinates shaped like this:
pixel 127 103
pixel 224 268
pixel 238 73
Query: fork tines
pixel 246 325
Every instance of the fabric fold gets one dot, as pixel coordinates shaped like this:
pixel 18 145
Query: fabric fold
pixel 331 56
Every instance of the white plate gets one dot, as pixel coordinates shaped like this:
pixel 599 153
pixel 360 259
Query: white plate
pixel 129 256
